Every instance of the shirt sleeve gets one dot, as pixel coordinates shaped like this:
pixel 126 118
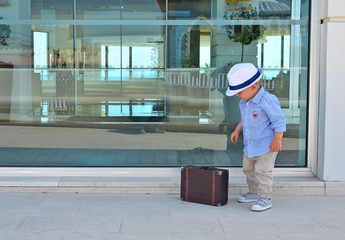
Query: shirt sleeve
pixel 275 114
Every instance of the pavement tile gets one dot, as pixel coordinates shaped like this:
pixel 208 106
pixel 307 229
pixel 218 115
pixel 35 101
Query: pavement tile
pixel 145 216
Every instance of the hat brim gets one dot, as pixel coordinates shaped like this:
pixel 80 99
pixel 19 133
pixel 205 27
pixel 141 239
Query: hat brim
pixel 230 92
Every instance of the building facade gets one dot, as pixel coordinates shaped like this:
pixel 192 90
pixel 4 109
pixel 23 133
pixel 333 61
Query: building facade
pixel 141 83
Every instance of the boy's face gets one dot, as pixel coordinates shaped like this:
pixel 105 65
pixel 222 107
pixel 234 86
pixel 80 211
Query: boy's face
pixel 248 93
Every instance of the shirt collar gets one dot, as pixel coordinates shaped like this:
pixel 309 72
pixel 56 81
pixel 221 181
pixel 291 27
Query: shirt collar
pixel 258 96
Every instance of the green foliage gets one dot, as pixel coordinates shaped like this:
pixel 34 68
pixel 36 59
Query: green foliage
pixel 189 62
pixel 206 68
pixel 5 32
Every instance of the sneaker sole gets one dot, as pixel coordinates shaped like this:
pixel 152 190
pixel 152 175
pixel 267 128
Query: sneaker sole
pixel 247 201
pixel 261 209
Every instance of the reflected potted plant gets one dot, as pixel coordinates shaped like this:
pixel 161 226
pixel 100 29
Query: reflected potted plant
pixel 245 34
pixel 5 32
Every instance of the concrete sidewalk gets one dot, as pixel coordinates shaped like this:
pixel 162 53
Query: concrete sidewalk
pixel 60 216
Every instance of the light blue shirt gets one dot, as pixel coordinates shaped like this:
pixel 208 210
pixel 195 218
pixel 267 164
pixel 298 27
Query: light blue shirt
pixel 261 117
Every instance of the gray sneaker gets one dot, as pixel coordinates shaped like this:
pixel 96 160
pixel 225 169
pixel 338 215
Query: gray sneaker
pixel 262 204
pixel 248 197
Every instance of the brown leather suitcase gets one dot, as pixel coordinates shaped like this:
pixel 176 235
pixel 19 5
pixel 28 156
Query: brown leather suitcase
pixel 206 185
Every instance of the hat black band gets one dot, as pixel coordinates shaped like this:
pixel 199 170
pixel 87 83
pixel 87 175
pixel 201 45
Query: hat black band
pixel 246 83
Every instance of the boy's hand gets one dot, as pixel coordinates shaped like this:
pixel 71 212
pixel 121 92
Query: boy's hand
pixel 276 145
pixel 234 136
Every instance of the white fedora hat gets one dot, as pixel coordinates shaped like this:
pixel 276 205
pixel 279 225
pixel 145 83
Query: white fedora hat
pixel 242 76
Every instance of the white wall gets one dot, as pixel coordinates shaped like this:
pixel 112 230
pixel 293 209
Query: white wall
pixel 331 158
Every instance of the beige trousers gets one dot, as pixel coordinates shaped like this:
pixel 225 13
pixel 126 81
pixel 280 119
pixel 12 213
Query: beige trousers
pixel 258 171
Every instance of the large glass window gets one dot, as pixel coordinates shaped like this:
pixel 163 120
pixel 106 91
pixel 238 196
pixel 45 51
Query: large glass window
pixel 142 83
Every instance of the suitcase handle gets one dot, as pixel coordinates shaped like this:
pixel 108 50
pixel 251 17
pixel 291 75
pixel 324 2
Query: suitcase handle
pixel 203 167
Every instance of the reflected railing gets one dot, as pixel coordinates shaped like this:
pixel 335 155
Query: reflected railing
pixel 176 92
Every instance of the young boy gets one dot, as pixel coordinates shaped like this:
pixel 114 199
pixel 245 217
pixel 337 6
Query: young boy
pixel 263 124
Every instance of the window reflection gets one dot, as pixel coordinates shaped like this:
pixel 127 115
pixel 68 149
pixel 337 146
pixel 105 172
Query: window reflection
pixel 52 9
pixel 189 9
pixel 270 9
pixel 147 72
pixel 98 10
pixel 143 9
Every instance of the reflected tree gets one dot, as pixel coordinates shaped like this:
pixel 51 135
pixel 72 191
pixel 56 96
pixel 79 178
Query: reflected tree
pixel 244 33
